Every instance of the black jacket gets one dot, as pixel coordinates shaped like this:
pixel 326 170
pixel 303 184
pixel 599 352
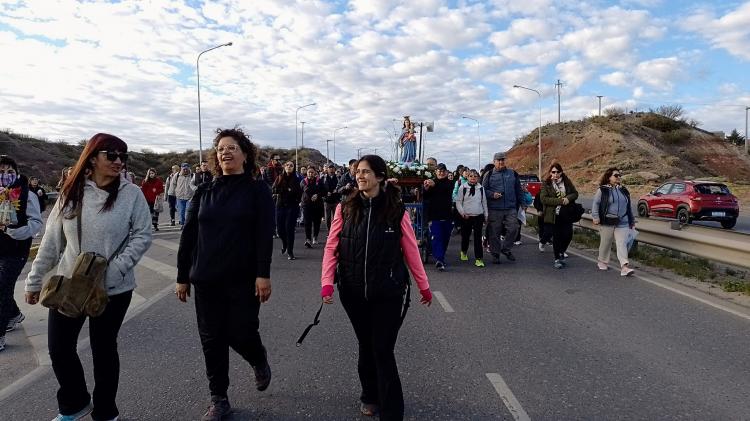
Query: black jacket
pixel 370 259
pixel 440 198
pixel 347 182
pixel 331 182
pixel 311 188
pixel 604 203
pixel 228 234
pixel 286 191
pixel 202 177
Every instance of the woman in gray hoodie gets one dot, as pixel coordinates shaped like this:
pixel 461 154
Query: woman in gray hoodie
pixel 111 210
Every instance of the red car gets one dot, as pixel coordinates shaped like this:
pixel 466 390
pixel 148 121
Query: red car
pixel 532 183
pixel 689 201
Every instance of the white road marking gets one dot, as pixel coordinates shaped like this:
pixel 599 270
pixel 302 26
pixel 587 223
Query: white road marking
pixel 675 288
pixel 509 399
pixel 166 244
pixel 443 302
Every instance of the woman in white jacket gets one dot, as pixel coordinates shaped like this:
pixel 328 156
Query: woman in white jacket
pixel 112 209
pixel 471 205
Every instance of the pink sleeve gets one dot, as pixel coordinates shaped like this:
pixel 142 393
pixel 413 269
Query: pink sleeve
pixel 330 258
pixel 411 253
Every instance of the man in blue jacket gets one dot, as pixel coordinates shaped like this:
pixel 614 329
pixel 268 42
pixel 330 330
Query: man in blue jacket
pixel 504 197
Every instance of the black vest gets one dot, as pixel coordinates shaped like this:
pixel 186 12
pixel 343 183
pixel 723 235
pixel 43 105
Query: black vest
pixel 9 246
pixel 370 259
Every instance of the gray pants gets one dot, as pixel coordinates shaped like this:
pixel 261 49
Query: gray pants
pixel 495 223
pixel 330 210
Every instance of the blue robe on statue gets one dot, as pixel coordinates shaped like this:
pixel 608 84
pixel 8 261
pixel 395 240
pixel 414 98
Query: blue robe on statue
pixel 409 153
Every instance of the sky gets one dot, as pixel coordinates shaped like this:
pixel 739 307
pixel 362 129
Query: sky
pixel 71 69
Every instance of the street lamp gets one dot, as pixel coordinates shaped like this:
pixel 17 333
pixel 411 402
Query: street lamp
pixel 302 135
pixel 198 73
pixel 328 153
pixel 334 141
pixel 540 125
pixel 479 143
pixel 296 151
pixel 746 140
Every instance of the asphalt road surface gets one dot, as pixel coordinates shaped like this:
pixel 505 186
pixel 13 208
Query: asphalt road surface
pixel 511 341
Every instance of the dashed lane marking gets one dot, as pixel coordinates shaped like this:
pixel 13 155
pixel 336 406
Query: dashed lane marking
pixel 509 399
pixel 443 302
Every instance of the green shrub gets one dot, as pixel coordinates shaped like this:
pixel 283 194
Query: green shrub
pixel 661 123
pixel 673 137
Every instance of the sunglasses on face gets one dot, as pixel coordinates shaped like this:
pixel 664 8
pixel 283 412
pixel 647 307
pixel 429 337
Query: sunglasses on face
pixel 617 175
pixel 112 156
pixel 555 172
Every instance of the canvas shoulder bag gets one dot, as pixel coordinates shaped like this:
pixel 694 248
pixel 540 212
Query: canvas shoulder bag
pixel 83 293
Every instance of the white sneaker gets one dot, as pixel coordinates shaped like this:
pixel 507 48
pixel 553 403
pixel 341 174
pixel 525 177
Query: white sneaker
pixel 602 266
pixel 517 243
pixel 315 240
pixel 77 416
pixel 15 322
pixel 565 255
pixel 541 247
pixel 626 271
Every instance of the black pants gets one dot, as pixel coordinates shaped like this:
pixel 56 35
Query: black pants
pixel 542 236
pixel 154 215
pixel 330 210
pixel 227 317
pixel 313 217
pixel 472 224
pixel 172 206
pixel 10 268
pixel 286 220
pixel 376 324
pixel 62 336
pixel 562 234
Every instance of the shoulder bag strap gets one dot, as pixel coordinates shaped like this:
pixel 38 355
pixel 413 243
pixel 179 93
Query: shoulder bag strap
pixel 78 227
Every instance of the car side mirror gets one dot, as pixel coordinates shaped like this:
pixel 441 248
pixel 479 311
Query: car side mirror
pixel 655 193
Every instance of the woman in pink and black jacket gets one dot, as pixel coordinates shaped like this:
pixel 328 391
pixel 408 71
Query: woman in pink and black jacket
pixel 370 245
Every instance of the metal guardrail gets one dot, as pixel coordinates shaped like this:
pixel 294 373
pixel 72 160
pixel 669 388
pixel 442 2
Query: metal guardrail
pixel 729 247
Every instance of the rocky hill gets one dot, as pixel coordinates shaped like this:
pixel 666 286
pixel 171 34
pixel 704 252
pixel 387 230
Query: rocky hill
pixel 46 159
pixel 648 147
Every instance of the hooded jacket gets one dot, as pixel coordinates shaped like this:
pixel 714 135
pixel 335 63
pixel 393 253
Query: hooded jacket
pixel 16 240
pixel 102 232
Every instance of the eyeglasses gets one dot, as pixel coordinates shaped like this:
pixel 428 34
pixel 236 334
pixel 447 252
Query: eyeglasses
pixel 228 148
pixel 112 156
pixel 617 175
pixel 555 172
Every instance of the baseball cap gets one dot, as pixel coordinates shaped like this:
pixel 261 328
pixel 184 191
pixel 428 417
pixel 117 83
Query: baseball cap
pixel 185 165
pixel 442 166
pixel 499 156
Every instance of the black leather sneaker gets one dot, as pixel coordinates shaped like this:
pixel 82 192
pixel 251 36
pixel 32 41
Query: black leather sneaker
pixel 262 373
pixel 219 409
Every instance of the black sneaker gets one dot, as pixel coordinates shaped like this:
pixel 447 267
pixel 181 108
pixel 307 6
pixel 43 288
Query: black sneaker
pixel 509 255
pixel 290 256
pixel 308 244
pixel 283 250
pixel 172 223
pixel 440 266
pixel 219 409
pixel 262 374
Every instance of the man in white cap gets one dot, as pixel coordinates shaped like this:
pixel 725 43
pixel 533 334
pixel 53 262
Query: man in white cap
pixel 504 197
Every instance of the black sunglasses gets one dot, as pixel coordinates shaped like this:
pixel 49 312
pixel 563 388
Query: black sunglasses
pixel 617 175
pixel 112 156
pixel 555 172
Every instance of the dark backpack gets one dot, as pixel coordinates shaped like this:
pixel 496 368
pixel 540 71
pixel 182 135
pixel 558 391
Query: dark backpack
pixel 538 205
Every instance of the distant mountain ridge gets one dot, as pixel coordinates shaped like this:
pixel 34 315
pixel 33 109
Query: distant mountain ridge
pixel 46 159
pixel 649 148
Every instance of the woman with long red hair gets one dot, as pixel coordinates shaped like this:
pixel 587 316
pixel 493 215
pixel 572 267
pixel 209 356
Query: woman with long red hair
pixel 113 220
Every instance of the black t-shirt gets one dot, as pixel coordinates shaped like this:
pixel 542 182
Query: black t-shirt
pixel 440 200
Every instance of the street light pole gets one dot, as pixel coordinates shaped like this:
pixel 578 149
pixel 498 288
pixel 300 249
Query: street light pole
pixel 600 104
pixel 198 75
pixel 334 141
pixel 302 135
pixel 746 150
pixel 479 143
pixel 296 151
pixel 328 153
pixel 540 124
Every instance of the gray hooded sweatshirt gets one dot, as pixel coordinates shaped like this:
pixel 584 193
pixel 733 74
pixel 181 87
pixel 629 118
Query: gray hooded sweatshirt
pixel 102 232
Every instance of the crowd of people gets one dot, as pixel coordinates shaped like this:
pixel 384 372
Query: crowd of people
pixel 370 249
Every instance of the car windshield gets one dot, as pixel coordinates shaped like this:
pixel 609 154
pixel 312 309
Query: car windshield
pixel 528 178
pixel 712 189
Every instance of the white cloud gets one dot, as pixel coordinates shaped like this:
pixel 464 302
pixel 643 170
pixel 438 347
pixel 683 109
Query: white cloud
pixel 615 79
pixel 730 32
pixel 574 73
pixel 659 73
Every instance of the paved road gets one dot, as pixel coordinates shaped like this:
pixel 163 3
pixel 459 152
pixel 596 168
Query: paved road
pixel 743 222
pixel 570 344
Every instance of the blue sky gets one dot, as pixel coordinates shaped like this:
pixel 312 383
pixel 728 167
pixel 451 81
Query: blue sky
pixel 128 68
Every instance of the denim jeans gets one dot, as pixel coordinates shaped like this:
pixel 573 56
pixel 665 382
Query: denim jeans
pixel 10 268
pixel 182 207
pixel 440 232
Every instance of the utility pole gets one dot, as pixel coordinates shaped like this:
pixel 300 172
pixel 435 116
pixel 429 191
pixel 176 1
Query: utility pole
pixel 558 85
pixel 600 104
pixel 302 140
pixel 746 150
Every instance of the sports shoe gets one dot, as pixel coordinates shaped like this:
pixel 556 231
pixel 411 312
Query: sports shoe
pixel 77 416
pixel 15 322
pixel 171 223
pixel 565 255
pixel 517 243
pixel 315 240
pixel 368 409
pixel 602 266
pixel 464 257
pixel 440 266
pixel 308 244
pixel 541 247
pixel 558 264
pixel 502 238
pixel 509 255
pixel 219 409
pixel 2 342
pixel 262 374
pixel 479 263
pixel 626 271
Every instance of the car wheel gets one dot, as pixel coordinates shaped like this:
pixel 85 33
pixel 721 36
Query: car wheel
pixel 643 210
pixel 683 216
pixel 729 223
